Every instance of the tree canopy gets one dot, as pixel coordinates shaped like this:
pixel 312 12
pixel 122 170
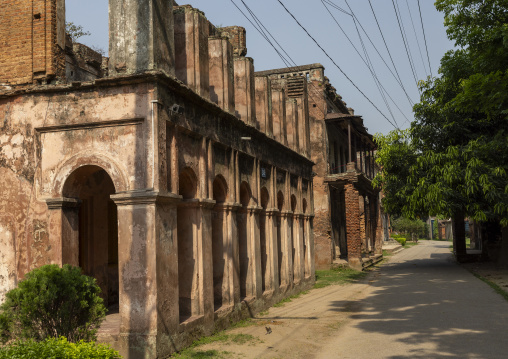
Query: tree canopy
pixel 454 158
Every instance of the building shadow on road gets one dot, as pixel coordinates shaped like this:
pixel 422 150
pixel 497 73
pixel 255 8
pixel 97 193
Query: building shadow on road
pixel 435 307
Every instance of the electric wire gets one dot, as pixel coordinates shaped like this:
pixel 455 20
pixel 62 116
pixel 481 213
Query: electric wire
pixel 333 61
pixel 390 55
pixel 416 36
pixel 405 38
pixel 424 37
pixel 373 73
pixel 286 62
pixel 405 45
pixel 356 20
pixel 396 77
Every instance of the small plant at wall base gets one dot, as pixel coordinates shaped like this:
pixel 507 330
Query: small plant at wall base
pixel 53 302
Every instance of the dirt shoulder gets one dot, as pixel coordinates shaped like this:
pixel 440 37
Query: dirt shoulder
pixel 294 329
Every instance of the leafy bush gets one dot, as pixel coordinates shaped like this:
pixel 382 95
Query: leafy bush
pixel 401 240
pixel 57 349
pixel 53 302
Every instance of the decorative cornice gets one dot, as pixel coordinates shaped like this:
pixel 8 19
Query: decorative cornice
pixel 145 197
pixel 59 203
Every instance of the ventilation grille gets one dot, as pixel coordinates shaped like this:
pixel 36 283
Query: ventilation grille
pixel 296 87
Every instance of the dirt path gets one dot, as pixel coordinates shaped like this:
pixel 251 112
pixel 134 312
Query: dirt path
pixel 300 328
pixel 420 304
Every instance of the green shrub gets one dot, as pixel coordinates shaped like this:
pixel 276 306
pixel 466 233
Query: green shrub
pixel 53 302
pixel 57 349
pixel 401 240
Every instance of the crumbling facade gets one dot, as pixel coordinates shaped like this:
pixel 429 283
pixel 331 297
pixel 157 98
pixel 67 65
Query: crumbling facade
pixel 167 171
pixel 348 221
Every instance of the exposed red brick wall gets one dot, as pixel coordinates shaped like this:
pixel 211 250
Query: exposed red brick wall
pixel 354 243
pixel 28 39
pixel 237 37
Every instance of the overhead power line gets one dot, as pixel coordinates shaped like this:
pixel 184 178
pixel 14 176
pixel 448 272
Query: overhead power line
pixel 365 60
pixel 402 32
pixel 389 54
pixel 288 62
pixel 424 37
pixel 416 36
pixel 333 61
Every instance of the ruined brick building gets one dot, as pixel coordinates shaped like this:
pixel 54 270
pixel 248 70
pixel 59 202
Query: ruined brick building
pixel 348 221
pixel 157 170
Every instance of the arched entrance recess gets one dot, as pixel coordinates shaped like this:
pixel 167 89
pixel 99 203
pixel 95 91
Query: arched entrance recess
pixel 97 227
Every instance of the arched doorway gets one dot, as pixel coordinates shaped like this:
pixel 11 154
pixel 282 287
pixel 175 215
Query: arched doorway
pixel 97 228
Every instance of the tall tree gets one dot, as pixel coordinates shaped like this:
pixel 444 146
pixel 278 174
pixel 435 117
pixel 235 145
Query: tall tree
pixel 460 132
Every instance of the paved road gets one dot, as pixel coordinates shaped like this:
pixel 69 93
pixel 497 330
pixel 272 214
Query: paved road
pixel 423 305
pixel 420 304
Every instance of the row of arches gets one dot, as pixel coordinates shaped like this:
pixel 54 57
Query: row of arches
pixel 242 244
pixel 235 250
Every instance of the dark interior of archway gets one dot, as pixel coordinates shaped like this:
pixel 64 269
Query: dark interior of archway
pixel 280 250
pixel 218 248
pixel 245 197
pixel 187 219
pixel 98 230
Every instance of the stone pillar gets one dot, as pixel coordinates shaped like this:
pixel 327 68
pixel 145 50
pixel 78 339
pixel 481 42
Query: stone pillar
pixel 279 114
pixel 222 78
pixel 354 240
pixel 310 269
pixel 64 231
pixel 245 104
pixel 254 285
pixel 272 266
pixel 263 105
pixel 141 36
pixel 299 264
pixel 148 265
pixel 231 254
pixel 191 49
pixel 286 252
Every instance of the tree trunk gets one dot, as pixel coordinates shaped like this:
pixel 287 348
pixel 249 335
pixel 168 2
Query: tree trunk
pixel 459 235
pixel 503 256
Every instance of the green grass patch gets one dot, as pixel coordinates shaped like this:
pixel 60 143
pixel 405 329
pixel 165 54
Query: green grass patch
pixel 289 299
pixel 221 337
pixel 386 253
pixel 410 244
pixel 493 285
pixel 200 354
pixel 324 278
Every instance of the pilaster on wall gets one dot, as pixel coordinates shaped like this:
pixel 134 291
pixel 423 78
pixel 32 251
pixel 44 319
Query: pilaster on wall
pixel 292 124
pixel 221 73
pixel 141 36
pixel 263 105
pixel 279 114
pixel 245 103
pixel 191 49
pixel 32 38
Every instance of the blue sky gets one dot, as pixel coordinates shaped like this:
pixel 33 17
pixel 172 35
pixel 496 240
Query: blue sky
pixel 313 15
